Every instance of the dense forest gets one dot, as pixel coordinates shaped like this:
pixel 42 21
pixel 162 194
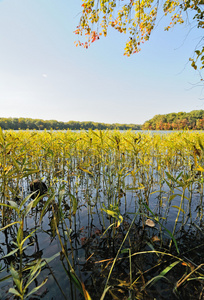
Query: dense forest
pixel 176 121
pixel 38 124
pixel 173 121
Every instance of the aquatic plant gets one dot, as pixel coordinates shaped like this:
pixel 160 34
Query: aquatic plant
pixel 120 209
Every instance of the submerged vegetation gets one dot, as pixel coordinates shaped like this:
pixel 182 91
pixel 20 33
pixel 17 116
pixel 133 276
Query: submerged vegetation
pixel 121 216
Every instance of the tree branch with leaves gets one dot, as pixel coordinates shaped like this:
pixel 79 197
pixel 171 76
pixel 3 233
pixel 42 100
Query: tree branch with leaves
pixel 137 19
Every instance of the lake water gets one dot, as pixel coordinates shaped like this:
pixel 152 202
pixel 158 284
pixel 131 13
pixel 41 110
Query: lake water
pixel 87 227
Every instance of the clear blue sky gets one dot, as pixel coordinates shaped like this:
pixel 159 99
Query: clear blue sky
pixel 43 75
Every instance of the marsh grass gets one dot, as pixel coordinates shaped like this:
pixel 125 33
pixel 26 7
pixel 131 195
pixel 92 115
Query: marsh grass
pixel 121 211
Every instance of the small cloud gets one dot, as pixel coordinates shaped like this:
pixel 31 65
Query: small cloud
pixel 44 75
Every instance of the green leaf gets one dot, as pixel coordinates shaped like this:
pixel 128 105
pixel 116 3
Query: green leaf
pixel 15 292
pixel 15 163
pixel 179 175
pixel 107 229
pixel 74 203
pixel 76 281
pixel 34 274
pixel 170 177
pixel 199 140
pixel 9 225
pixel 19 235
pixel 13 204
pixel 26 246
pixel 85 170
pixel 120 220
pixel 48 260
pixel 27 237
pixel 53 221
pixel 173 196
pixel 36 288
pixel 26 199
pixel 61 195
pixel 196 278
pixel 110 213
pixel 159 191
pixel 131 189
pixel 14 273
pixel 37 200
pixel 179 208
pixel 161 275
pixel 12 207
pixel 30 172
pixel 104 292
pixel 94 133
pixel 28 208
pixel 15 277
pixel 1 136
pixel 47 203
pixel 153 280
pixel 125 250
pixel 11 253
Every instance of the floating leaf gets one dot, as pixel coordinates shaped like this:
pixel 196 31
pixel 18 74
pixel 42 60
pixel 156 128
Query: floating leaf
pixel 149 223
pixel 155 238
pixel 169 232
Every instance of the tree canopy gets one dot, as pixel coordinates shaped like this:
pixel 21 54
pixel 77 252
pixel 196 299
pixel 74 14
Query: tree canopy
pixel 177 121
pixel 38 124
pixel 137 19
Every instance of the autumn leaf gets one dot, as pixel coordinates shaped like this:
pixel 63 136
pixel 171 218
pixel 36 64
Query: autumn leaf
pixel 149 223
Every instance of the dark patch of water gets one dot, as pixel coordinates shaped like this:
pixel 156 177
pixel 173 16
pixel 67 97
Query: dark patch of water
pixel 92 251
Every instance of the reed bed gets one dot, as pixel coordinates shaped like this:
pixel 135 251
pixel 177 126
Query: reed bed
pixel 122 216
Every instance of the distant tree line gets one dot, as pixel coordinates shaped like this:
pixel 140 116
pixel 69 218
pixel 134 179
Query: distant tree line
pixel 38 124
pixel 176 121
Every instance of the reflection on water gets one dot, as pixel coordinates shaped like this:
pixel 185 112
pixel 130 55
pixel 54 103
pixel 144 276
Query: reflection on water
pixel 86 245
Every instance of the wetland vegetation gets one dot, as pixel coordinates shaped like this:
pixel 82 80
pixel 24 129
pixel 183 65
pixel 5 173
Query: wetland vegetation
pixel 121 216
